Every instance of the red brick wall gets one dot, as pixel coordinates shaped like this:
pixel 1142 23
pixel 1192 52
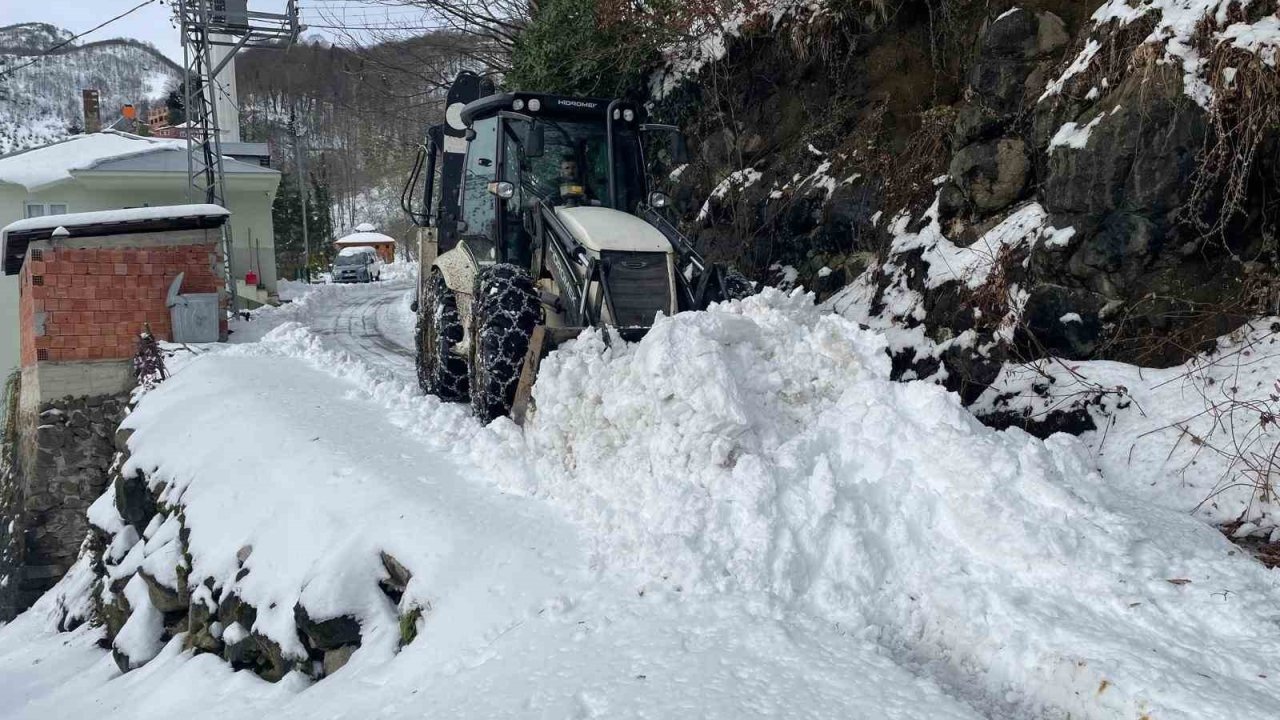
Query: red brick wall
pixel 96 301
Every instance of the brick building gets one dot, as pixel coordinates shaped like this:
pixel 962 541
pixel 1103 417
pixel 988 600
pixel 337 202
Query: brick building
pixel 88 285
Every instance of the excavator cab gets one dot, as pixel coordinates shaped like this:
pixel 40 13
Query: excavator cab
pixel 538 220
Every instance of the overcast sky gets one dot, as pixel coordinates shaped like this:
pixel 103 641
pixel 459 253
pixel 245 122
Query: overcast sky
pixel 151 23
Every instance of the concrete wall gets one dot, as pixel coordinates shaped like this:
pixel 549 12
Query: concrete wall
pixel 249 199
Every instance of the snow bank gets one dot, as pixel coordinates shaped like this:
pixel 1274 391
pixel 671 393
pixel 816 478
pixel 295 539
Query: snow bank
pixel 1190 438
pixel 761 447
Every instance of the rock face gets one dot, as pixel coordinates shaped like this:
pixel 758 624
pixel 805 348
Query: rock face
pixel 1152 177
pixel 62 457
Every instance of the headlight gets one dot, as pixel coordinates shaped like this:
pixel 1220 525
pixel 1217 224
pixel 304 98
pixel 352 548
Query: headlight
pixel 629 115
pixel 535 105
pixel 517 105
pixel 659 200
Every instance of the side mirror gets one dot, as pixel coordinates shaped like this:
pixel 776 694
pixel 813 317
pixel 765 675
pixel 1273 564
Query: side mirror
pixel 535 145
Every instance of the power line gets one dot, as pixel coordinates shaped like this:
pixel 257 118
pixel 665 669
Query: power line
pixel 73 38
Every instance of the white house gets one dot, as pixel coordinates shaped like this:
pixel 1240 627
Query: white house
pixel 113 170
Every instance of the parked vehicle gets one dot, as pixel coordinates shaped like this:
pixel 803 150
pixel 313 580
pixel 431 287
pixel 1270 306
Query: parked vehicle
pixel 357 264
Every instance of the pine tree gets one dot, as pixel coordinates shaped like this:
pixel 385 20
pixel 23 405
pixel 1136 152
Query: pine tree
pixel 286 220
pixel 319 210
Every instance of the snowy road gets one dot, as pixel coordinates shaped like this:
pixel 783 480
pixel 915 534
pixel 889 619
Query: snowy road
pixel 371 322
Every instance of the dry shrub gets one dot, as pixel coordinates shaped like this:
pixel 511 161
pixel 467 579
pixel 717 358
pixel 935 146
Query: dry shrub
pixel 1121 50
pixel 990 300
pixel 1243 119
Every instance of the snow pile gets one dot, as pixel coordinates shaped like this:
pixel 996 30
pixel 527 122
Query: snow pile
pixel 1176 25
pixel 1195 438
pixel 401 269
pixel 1074 135
pixel 684 419
pixel 305 302
pixel 972 264
pixel 761 447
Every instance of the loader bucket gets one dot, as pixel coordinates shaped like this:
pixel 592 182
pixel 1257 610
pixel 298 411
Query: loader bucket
pixel 541 343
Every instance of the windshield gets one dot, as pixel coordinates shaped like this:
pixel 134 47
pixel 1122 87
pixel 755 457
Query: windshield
pixel 573 168
pixel 353 259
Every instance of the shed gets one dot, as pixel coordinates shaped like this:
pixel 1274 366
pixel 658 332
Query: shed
pixel 366 235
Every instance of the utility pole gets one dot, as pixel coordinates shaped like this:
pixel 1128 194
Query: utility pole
pixel 299 153
pixel 229 26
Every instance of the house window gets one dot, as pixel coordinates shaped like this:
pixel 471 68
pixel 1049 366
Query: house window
pixel 35 209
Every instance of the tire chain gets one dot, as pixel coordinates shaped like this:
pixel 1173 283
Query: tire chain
pixel 444 374
pixel 505 312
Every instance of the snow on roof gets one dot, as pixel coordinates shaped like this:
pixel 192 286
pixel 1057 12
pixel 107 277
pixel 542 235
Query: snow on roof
pixel 51 164
pixel 365 227
pixel 364 238
pixel 361 250
pixel 12 249
pixel 102 217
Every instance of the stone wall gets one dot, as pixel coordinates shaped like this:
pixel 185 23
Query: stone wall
pixel 10 541
pixel 213 619
pixel 62 457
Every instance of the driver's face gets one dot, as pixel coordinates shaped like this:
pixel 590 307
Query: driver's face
pixel 568 169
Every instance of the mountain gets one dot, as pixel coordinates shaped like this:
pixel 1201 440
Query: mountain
pixel 40 94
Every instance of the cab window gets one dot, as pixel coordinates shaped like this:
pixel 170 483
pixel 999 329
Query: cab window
pixel 478 210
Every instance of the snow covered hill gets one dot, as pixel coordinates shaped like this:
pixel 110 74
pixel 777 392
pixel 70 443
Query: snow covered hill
pixel 40 103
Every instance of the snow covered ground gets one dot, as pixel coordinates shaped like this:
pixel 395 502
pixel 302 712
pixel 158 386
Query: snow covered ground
pixel 739 516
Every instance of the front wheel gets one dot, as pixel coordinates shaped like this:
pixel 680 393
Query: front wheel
pixel 441 372
pixel 504 314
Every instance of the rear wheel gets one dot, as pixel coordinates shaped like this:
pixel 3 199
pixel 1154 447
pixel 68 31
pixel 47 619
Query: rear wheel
pixel 440 372
pixel 504 314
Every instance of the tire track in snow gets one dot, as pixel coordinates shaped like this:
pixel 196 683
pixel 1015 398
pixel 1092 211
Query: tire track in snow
pixel 361 323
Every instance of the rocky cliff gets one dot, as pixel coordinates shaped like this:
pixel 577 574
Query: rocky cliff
pixel 998 182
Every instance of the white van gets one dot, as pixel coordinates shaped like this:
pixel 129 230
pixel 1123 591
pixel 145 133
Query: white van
pixel 357 264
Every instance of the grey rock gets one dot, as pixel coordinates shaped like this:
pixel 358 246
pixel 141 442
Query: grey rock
pixel 50 437
pixel 327 634
pixel 133 499
pixel 991 174
pixel 336 658
pixel 1051 33
pixel 165 599
pixel 1139 158
pixel 398 575
pixel 1043 315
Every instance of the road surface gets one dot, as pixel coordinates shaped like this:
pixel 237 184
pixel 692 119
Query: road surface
pixel 371 322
